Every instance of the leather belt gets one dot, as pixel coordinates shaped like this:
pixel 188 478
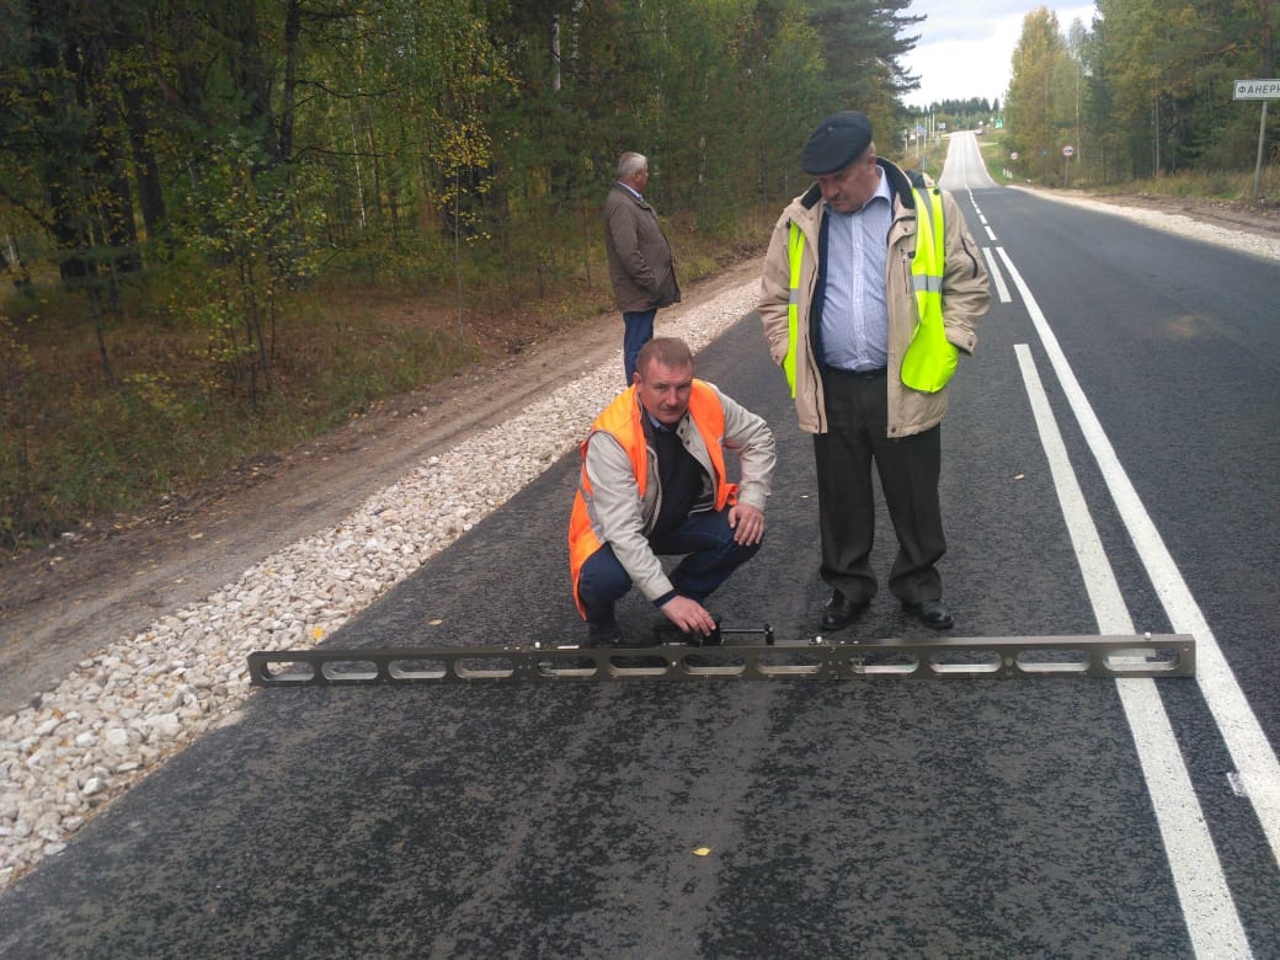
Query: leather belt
pixel 856 374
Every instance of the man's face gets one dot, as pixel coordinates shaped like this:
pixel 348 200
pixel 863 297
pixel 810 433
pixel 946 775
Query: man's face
pixel 850 187
pixel 639 180
pixel 664 391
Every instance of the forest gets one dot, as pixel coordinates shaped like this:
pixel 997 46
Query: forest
pixel 201 199
pixel 1143 91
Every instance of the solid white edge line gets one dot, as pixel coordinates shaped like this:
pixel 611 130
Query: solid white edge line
pixel 1212 921
pixel 1252 753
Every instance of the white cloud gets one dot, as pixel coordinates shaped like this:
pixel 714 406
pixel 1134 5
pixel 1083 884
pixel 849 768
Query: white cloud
pixel 966 50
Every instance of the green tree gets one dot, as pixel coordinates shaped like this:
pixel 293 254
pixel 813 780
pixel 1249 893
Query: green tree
pixel 1033 103
pixel 862 41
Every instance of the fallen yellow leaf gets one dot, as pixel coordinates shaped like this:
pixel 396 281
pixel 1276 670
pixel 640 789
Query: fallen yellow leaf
pixel 702 851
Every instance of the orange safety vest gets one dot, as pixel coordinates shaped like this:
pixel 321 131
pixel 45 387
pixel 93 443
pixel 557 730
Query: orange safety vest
pixel 621 419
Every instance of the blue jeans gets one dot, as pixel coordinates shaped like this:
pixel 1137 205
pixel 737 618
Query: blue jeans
pixel 637 331
pixel 711 555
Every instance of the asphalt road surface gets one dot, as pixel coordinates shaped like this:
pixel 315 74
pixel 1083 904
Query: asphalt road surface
pixel 1110 466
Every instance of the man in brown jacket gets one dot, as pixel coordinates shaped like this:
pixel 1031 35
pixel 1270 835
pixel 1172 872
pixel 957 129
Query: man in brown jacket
pixel 640 264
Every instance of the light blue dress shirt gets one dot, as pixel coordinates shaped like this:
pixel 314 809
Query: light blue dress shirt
pixel 855 314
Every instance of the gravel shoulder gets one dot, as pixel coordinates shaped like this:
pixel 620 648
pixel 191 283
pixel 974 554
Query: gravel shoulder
pixel 1250 227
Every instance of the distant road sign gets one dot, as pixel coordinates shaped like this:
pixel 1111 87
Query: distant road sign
pixel 1068 150
pixel 1257 90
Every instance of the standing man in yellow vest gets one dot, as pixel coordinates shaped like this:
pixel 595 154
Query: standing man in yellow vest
pixel 654 482
pixel 871 285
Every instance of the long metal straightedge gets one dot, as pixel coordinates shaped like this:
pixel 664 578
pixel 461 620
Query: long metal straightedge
pixel 1169 655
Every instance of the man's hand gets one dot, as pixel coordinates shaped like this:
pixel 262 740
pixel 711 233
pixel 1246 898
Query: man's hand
pixel 747 524
pixel 689 615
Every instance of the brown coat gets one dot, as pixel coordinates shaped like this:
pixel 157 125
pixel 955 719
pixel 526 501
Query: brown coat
pixel 640 263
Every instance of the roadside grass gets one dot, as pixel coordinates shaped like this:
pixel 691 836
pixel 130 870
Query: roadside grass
pixel 83 439
pixel 1214 185
pixel 103 419
pixel 1227 185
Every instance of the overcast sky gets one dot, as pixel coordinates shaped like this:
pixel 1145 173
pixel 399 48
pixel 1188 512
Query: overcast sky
pixel 965 49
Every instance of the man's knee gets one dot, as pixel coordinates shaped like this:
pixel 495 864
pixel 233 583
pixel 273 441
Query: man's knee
pixel 745 551
pixel 602 578
pixel 730 552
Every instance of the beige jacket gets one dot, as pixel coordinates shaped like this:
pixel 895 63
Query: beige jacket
pixel 965 298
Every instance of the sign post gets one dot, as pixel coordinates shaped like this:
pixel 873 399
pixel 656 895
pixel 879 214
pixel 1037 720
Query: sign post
pixel 1067 153
pixel 1263 90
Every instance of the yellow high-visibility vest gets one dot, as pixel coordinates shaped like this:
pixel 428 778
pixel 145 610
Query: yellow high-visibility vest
pixel 930 359
pixel 795 252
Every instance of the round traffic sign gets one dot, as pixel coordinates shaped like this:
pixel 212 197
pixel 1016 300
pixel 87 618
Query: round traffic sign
pixel 1068 150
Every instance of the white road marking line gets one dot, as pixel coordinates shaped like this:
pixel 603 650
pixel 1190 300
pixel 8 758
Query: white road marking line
pixel 993 268
pixel 1212 920
pixel 1255 760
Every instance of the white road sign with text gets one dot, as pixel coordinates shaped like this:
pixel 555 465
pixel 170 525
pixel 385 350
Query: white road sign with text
pixel 1257 90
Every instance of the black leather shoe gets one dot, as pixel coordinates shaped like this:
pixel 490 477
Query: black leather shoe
pixel 840 611
pixel 603 634
pixel 932 613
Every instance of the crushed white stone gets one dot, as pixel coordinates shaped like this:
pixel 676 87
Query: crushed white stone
pixel 122 713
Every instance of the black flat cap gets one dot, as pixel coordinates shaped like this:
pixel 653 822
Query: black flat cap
pixel 835 143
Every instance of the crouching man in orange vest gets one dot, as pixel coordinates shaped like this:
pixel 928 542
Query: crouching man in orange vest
pixel 653 483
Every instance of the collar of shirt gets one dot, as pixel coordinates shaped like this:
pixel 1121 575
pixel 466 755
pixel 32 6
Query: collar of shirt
pixel 627 187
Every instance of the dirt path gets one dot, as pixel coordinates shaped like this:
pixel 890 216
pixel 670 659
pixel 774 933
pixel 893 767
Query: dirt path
pixel 63 604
